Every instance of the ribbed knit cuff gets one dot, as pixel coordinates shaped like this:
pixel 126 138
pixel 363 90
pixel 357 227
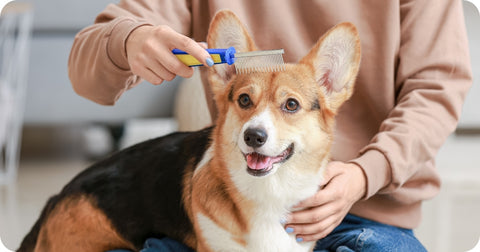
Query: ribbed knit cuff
pixel 377 170
pixel 116 44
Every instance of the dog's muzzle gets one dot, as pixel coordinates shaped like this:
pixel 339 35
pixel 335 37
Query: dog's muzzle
pixel 260 165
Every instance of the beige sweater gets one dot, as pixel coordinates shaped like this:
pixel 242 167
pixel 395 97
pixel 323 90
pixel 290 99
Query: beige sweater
pixel 414 75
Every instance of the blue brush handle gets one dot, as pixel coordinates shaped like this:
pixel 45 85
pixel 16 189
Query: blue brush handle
pixel 219 56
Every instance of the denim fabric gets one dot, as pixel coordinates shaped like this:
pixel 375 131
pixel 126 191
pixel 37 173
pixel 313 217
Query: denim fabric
pixel 160 245
pixel 164 245
pixel 359 234
pixel 353 234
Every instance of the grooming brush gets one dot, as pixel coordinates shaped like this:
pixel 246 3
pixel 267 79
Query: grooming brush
pixel 245 62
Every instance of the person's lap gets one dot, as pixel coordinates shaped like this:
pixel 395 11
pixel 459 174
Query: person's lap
pixel 353 234
pixel 359 234
pixel 164 244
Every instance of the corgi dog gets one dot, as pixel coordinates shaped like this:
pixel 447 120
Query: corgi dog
pixel 224 188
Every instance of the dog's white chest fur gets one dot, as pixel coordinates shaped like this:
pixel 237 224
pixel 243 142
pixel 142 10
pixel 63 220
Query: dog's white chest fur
pixel 265 235
pixel 273 198
pixel 216 237
pixel 269 235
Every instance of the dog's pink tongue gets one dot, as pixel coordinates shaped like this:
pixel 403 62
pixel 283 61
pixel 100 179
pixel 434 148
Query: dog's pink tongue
pixel 258 162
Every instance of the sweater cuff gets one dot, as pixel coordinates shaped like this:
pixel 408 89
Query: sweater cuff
pixel 377 171
pixel 117 38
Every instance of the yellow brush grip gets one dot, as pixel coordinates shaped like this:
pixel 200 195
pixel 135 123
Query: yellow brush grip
pixel 189 60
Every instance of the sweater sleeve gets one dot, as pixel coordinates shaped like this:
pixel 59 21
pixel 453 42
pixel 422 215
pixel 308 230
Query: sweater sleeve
pixel 98 68
pixel 433 76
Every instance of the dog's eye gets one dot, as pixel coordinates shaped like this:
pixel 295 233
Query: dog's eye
pixel 291 105
pixel 244 101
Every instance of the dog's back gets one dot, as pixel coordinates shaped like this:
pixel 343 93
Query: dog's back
pixel 124 199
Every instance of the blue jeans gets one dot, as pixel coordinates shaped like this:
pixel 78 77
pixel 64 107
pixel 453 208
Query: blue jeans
pixel 353 234
pixel 359 234
pixel 160 245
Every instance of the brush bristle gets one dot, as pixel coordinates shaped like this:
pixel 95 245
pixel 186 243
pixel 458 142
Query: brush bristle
pixel 259 62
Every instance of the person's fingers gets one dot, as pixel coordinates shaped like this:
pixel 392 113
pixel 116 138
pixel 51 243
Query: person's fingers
pixel 317 231
pixel 311 228
pixel 313 214
pixel 323 196
pixel 318 228
pixel 150 76
pixel 149 53
pixel 323 212
pixel 150 70
pixel 162 63
pixel 171 63
pixel 328 190
pixel 204 45
pixel 160 70
pixel 193 48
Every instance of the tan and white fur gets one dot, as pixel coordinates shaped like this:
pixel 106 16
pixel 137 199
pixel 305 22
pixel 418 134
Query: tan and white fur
pixel 233 210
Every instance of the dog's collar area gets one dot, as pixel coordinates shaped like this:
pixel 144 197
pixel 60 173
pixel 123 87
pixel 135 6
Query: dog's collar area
pixel 259 165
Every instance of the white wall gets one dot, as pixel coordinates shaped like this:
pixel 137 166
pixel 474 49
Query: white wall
pixel 50 98
pixel 471 110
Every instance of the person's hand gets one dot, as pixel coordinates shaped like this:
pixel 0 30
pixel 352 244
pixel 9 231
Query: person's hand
pixel 149 53
pixel 344 184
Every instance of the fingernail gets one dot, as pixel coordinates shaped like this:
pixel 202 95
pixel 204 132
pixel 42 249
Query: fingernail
pixel 210 62
pixel 299 239
pixel 283 221
pixel 289 230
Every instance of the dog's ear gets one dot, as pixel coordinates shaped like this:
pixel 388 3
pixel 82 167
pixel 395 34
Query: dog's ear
pixel 335 60
pixel 226 31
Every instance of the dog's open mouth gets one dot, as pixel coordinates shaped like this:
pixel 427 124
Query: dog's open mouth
pixel 260 165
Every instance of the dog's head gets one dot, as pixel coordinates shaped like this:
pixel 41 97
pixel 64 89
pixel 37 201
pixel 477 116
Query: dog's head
pixel 268 121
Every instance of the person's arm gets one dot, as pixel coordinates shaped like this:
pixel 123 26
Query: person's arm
pixel 101 67
pixel 432 79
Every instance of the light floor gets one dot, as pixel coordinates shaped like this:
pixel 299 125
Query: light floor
pixel 21 202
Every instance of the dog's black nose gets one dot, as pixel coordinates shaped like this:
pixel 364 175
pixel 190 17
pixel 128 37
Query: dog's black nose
pixel 255 137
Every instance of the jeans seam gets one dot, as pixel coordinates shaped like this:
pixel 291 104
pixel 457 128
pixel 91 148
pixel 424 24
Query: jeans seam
pixel 362 237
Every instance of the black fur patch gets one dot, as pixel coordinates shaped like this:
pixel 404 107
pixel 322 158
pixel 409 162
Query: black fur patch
pixel 230 94
pixel 315 105
pixel 140 188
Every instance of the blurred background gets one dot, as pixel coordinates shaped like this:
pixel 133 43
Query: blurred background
pixel 48 133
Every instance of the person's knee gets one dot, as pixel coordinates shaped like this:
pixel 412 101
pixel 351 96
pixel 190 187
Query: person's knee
pixel 388 239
